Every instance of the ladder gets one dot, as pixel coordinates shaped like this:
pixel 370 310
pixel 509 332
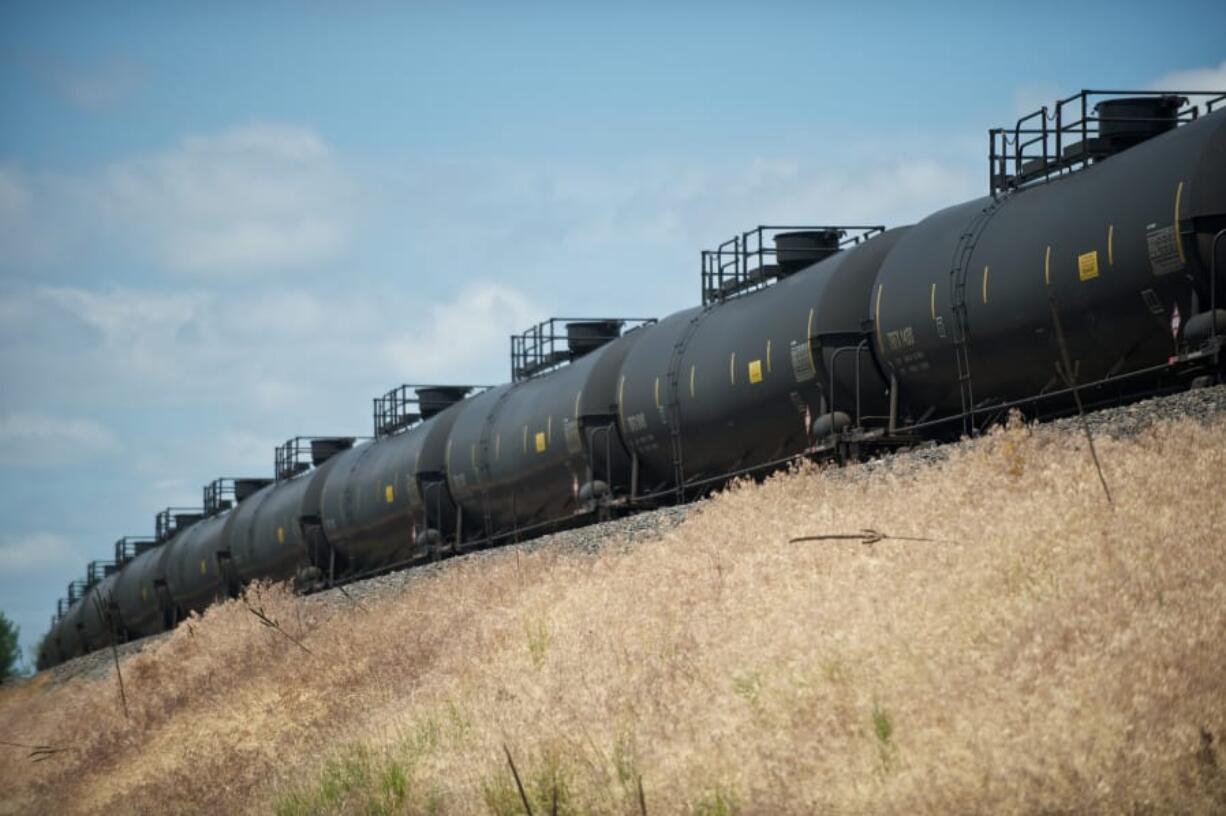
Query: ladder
pixel 674 401
pixel 484 474
pixel 959 268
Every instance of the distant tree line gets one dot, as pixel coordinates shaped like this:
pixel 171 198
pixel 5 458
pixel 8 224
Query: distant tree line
pixel 10 652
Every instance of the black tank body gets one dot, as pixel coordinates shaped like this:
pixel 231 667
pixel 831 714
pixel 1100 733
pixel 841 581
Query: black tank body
pixel 378 498
pixel 264 535
pixel 751 373
pixel 136 592
pixel 1118 246
pixel 71 639
pixel 96 631
pixel 518 455
pixel 49 653
pixel 193 573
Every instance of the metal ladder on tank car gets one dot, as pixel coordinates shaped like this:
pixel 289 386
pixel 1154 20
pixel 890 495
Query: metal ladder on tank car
pixel 674 401
pixel 484 474
pixel 967 242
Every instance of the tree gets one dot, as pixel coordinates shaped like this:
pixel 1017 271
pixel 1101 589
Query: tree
pixel 10 652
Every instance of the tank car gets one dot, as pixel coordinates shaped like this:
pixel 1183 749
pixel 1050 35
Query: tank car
pixel 71 642
pixel 98 624
pixel 142 597
pixel 1099 236
pixel 199 567
pixel 387 502
pixel 264 535
pixel 744 381
pixel 544 448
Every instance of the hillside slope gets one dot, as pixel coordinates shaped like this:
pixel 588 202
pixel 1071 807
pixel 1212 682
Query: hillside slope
pixel 1013 643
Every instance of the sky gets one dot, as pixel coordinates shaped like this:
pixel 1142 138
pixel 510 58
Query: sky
pixel 226 224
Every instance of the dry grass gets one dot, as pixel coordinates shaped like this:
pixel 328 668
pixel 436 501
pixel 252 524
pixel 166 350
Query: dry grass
pixel 1047 654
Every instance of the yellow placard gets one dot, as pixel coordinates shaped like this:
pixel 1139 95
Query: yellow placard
pixel 1087 265
pixel 280 535
pixel 389 494
pixel 755 371
pixel 540 442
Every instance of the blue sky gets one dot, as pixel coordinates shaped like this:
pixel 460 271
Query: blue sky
pixel 221 226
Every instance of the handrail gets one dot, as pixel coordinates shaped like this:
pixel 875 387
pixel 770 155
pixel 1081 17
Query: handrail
pixel 1024 153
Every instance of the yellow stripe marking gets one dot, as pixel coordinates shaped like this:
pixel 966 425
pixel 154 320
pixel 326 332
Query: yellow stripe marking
pixel 577 397
pixel 472 454
pixel 768 355
pixel 657 392
pixel 732 368
pixel 1111 245
pixel 525 439
pixel 691 382
pixel 932 301
pixel 621 405
pixel 1178 237
pixel 985 284
pixel 809 341
pixel 876 319
pixel 549 429
pixel 1047 267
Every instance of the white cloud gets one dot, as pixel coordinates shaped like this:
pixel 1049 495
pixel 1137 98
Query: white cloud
pixel 89 84
pixel 45 441
pixel 14 194
pixel 1029 97
pixel 258 198
pixel 553 217
pixel 22 242
pixel 1212 78
pixel 140 336
pixel 35 552
pixel 253 198
pixel 103 86
pixel 463 336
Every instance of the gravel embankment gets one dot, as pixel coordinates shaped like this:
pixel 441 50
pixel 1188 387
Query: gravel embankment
pixel 639 527
pixel 1202 404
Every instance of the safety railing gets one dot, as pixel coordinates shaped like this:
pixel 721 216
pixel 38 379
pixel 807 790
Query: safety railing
pixel 758 257
pixel 1086 127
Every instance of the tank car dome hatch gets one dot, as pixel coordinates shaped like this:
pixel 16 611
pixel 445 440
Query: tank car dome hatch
pixel 245 488
pixel 435 399
pixel 186 519
pixel 796 250
pixel 324 448
pixel 585 336
pixel 1128 121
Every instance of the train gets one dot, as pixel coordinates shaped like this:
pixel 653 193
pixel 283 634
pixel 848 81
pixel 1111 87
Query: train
pixel 1088 274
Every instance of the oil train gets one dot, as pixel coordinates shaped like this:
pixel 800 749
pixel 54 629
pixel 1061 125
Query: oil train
pixel 1091 270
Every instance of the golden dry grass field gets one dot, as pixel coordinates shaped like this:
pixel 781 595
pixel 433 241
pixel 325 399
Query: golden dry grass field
pixel 1039 651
